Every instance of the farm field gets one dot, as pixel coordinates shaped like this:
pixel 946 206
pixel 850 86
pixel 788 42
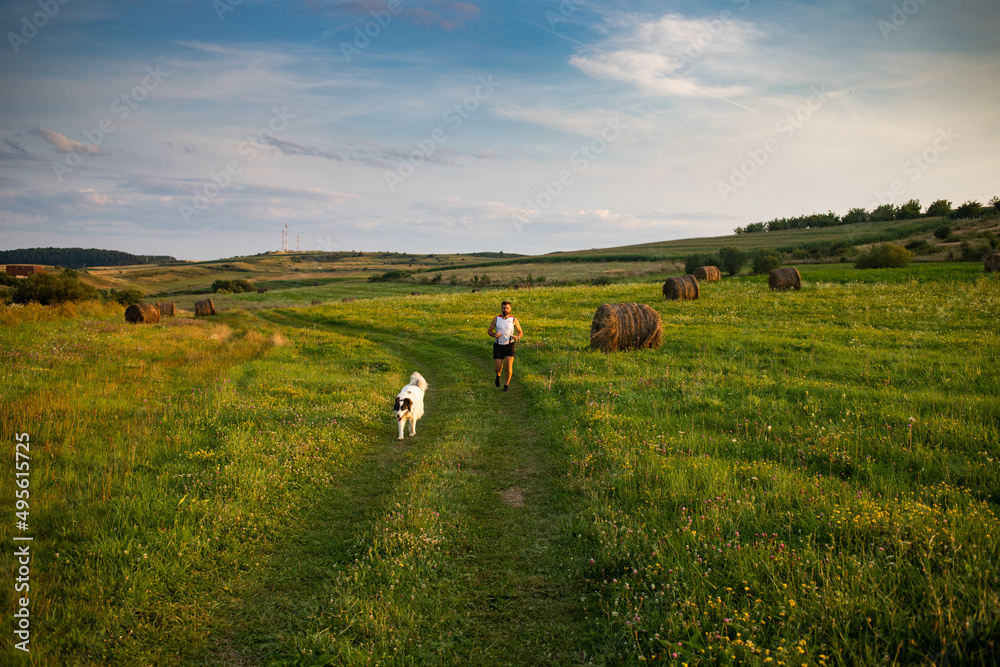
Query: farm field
pixel 809 477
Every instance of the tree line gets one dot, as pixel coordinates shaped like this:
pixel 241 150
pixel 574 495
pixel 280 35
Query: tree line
pixel 907 211
pixel 78 258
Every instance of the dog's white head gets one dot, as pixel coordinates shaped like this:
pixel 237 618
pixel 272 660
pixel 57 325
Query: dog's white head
pixel 403 408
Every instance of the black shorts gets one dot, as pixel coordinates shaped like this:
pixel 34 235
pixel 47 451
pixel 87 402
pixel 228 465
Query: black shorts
pixel 502 351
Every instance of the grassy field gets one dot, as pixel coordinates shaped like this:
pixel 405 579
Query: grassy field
pixel 791 478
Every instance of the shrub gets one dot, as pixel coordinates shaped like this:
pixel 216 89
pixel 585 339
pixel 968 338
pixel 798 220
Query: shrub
pixel 393 275
pixel 733 259
pixel 765 260
pixel 920 247
pixel 126 297
pixel 693 261
pixel 243 285
pixel 943 233
pixel 222 286
pixel 971 253
pixel 884 256
pixel 51 288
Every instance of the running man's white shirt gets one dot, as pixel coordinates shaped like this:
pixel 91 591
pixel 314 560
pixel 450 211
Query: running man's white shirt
pixel 505 329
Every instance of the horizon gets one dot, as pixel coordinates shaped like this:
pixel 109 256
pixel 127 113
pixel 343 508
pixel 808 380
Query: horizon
pixel 452 127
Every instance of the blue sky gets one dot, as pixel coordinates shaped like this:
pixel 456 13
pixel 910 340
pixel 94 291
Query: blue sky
pixel 200 128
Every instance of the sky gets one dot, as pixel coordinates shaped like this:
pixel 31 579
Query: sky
pixel 201 128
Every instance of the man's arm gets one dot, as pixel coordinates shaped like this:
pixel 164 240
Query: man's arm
pixel 517 325
pixel 492 331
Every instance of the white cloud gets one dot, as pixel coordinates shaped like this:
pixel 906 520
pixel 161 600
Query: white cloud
pixel 64 144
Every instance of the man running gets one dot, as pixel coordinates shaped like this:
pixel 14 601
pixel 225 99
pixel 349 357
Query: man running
pixel 506 331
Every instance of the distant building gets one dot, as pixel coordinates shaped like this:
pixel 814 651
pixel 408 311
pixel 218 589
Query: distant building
pixel 24 269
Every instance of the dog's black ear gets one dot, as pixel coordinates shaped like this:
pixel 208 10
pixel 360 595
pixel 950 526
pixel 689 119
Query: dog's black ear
pixel 395 406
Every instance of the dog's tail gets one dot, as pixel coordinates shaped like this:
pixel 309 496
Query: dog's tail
pixel 419 380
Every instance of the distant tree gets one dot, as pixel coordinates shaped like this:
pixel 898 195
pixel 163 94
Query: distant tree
pixel 995 202
pixel 222 285
pixel 884 212
pixel 909 210
pixel 694 260
pixel 54 287
pixel 243 285
pixel 941 207
pixel 884 256
pixel 943 233
pixel 733 259
pixel 765 260
pixel 971 253
pixel 970 209
pixel 921 247
pixel 856 215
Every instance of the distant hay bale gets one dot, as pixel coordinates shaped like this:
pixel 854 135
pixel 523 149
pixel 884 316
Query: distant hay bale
pixel 414 293
pixel 348 298
pixel 204 307
pixel 707 274
pixel 166 308
pixel 681 287
pixel 992 263
pixel 261 289
pixel 787 277
pixel 142 313
pixel 522 286
pixel 476 290
pixel 317 302
pixel 625 326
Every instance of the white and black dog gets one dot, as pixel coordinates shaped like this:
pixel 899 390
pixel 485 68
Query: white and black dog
pixel 410 403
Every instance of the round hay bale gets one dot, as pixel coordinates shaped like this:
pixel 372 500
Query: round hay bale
pixel 414 293
pixel 992 263
pixel 142 313
pixel 204 307
pixel 166 308
pixel 707 274
pixel 522 286
pixel 348 298
pixel 317 302
pixel 787 277
pixel 625 326
pixel 476 290
pixel 681 287
pixel 261 289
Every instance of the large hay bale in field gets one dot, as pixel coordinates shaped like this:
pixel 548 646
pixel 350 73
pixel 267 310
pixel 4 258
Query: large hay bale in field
pixel 522 286
pixel 204 307
pixel 317 302
pixel 787 277
pixel 142 313
pixel 348 298
pixel 681 287
pixel 166 308
pixel 625 326
pixel 707 274
pixel 992 263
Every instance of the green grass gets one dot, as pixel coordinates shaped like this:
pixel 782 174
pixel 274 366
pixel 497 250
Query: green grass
pixel 805 477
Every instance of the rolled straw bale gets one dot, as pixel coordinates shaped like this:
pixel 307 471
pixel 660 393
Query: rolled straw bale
pixel 142 313
pixel 625 326
pixel 414 293
pixel 992 263
pixel 204 307
pixel 348 298
pixel 707 274
pixel 681 287
pixel 317 302
pixel 787 277
pixel 166 308
pixel 522 286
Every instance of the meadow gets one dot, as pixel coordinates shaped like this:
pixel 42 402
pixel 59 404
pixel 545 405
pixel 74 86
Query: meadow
pixel 803 478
